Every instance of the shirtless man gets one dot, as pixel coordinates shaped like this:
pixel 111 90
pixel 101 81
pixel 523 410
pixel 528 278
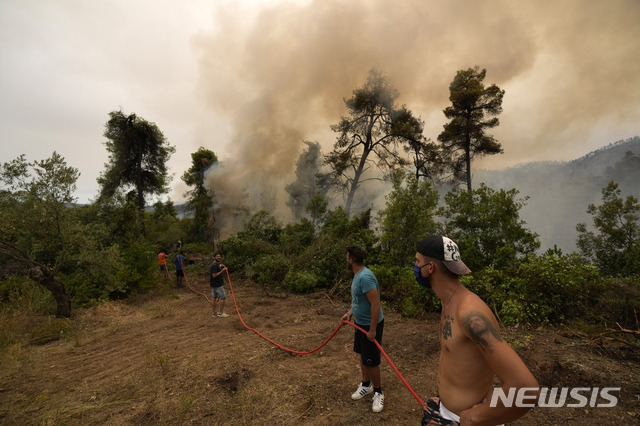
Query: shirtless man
pixel 472 351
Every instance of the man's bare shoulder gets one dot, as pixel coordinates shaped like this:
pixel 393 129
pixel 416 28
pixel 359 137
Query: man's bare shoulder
pixel 471 302
pixel 477 321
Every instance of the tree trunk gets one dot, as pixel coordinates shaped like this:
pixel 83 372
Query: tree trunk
pixel 356 181
pixel 140 202
pixel 467 160
pixel 45 277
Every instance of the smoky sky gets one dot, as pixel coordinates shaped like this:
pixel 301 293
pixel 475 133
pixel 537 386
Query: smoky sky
pixel 570 70
pixel 252 79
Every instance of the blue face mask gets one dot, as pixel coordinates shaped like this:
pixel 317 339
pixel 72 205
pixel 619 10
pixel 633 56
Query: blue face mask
pixel 424 282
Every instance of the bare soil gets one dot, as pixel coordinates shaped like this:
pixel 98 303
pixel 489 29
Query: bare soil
pixel 163 359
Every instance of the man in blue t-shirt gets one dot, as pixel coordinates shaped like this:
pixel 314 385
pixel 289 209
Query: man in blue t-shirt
pixel 179 261
pixel 367 314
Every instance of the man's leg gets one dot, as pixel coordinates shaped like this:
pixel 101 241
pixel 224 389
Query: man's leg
pixel 373 374
pixel 366 374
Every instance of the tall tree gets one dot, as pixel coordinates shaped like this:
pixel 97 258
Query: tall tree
pixel 35 223
pixel 199 198
pixel 473 110
pixel 615 247
pixel 371 134
pixel 138 155
pixel 310 180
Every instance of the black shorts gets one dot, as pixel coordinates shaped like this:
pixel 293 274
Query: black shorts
pixel 179 273
pixel 367 349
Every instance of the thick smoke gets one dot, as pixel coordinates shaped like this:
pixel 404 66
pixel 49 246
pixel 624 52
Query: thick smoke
pixel 569 69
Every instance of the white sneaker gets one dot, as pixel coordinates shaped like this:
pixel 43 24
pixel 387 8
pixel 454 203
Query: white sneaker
pixel 378 402
pixel 361 392
pixel 222 315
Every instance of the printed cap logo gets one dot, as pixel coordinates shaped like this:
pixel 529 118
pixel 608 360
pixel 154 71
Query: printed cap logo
pixel 451 251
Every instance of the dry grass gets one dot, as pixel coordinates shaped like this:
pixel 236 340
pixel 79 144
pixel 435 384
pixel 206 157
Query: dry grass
pixel 162 359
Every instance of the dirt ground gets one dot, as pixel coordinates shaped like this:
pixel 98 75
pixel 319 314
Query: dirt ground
pixel 163 359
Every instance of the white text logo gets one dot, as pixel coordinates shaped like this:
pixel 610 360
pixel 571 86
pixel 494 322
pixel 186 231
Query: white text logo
pixel 555 397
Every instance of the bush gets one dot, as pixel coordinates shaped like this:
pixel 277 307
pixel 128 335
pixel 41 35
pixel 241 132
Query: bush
pixel 548 289
pixel 619 301
pixel 296 237
pixel 240 252
pixel 25 295
pixel 138 272
pixel 269 269
pixel 491 285
pixel 300 281
pixel 95 275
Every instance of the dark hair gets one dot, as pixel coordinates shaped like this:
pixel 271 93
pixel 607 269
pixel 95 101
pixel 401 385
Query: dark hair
pixel 356 254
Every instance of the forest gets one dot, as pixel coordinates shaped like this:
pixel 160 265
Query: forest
pixel 58 256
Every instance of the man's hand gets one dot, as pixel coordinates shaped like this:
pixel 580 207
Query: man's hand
pixel 371 335
pixel 466 415
pixel 346 317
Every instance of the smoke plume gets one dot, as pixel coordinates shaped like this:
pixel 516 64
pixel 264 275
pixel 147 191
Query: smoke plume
pixel 570 69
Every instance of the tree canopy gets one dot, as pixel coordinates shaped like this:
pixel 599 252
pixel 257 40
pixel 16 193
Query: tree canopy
pixel 138 155
pixel 371 134
pixel 199 199
pixel 474 109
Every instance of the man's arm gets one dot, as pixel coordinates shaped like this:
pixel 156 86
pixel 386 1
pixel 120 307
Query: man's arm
pixel 374 299
pixel 481 328
pixel 221 269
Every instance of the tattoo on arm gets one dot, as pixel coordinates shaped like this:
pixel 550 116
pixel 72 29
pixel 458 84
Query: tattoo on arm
pixel 480 329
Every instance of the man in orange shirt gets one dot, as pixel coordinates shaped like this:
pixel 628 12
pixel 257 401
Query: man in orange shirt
pixel 162 263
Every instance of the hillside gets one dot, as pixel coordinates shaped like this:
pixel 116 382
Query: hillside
pixel 162 359
pixel 561 191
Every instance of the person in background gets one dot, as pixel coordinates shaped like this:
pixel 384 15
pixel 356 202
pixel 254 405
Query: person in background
pixel 367 314
pixel 179 261
pixel 216 282
pixel 472 351
pixel 162 264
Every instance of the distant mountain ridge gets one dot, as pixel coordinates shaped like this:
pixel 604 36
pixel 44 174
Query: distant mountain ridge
pixel 560 192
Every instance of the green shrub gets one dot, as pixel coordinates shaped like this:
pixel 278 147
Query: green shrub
pixel 409 308
pixel 296 237
pixel 618 301
pixel 138 272
pixel 240 252
pixel 269 269
pixel 300 281
pixel 24 295
pixel 548 289
pixel 95 275
pixel 491 285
